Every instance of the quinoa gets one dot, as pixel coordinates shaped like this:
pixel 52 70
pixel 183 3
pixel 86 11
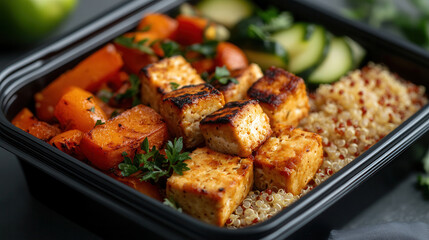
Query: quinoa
pixel 350 115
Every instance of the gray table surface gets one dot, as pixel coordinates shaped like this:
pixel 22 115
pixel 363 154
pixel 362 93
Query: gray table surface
pixel 23 217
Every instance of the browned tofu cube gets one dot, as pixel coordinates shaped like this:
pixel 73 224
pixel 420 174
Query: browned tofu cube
pixel 282 95
pixel 162 77
pixel 288 159
pixel 238 128
pixel 245 77
pixel 214 186
pixel 183 109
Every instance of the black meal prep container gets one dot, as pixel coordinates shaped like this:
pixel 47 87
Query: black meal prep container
pixel 112 209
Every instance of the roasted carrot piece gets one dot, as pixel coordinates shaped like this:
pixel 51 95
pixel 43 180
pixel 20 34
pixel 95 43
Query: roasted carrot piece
pixel 104 145
pixel 69 142
pixel 77 109
pixel 119 79
pixel 161 24
pixel 88 74
pixel 190 30
pixel 231 56
pixel 26 121
pixel 108 110
pixel 141 186
pixel 204 65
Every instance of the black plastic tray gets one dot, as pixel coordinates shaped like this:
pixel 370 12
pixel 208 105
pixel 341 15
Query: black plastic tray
pixel 112 209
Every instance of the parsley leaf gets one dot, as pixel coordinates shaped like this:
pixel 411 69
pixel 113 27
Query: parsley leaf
pixel 92 109
pixel 99 122
pixel 129 42
pixel 174 85
pixel 207 48
pixel 171 48
pixel 171 203
pixel 153 165
pixel 105 95
pixel 114 113
pixel 273 21
pixel 132 92
pixel 222 76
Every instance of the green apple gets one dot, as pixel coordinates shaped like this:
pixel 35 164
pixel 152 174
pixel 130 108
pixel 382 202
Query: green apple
pixel 26 21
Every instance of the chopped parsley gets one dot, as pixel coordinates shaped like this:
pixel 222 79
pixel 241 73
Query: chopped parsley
pixel 92 109
pixel 130 42
pixel 221 75
pixel 105 95
pixel 132 92
pixel 273 21
pixel 152 165
pixel 174 85
pixel 207 48
pixel 171 203
pixel 99 122
pixel 171 48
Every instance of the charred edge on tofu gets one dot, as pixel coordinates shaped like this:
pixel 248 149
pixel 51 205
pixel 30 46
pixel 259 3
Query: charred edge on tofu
pixel 188 98
pixel 266 95
pixel 227 113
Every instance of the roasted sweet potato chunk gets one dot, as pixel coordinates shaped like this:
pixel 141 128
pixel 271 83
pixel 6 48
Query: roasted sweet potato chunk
pixel 77 109
pixel 26 121
pixel 161 24
pixel 146 188
pixel 88 74
pixel 104 145
pixel 69 142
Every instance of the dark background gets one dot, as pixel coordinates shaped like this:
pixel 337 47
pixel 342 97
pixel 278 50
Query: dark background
pixel 23 217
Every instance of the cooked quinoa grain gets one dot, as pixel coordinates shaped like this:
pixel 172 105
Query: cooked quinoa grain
pixel 350 115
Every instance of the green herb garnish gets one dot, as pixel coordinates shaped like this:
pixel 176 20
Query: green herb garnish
pixel 222 76
pixel 129 42
pixel 273 21
pixel 99 122
pixel 153 165
pixel 207 48
pixel 104 95
pixel 132 92
pixel 170 202
pixel 171 48
pixel 114 114
pixel 174 85
pixel 92 109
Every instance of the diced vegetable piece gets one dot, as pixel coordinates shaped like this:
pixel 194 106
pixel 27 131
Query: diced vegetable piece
pixel 161 24
pixel 88 74
pixel 204 65
pixel 292 39
pixel 190 29
pixel 144 187
pixel 118 80
pixel 312 53
pixel 77 109
pixel 69 142
pixel 135 60
pixel 108 110
pixel 226 12
pixel 105 144
pixel 267 54
pixel 337 63
pixel 357 51
pixel 26 121
pixel 231 56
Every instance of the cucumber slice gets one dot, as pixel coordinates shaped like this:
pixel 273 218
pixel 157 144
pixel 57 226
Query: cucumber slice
pixel 267 54
pixel 292 39
pixel 312 53
pixel 226 12
pixel 357 51
pixel 336 64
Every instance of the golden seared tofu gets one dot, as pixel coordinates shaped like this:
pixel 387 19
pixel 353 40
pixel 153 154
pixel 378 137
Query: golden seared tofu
pixel 164 76
pixel 245 77
pixel 238 128
pixel 183 109
pixel 289 159
pixel 214 186
pixel 282 95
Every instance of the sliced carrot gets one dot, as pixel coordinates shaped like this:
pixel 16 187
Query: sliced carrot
pixel 231 56
pixel 190 29
pixel 88 74
pixel 69 142
pixel 26 121
pixel 161 24
pixel 77 109
pixel 104 145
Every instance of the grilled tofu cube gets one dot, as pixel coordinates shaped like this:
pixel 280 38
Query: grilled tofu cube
pixel 183 109
pixel 282 95
pixel 214 186
pixel 159 78
pixel 289 159
pixel 245 77
pixel 238 128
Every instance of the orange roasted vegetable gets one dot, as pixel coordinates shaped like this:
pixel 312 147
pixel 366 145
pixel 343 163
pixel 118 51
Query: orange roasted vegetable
pixel 88 74
pixel 161 24
pixel 231 56
pixel 190 29
pixel 104 145
pixel 144 187
pixel 204 65
pixel 69 142
pixel 77 109
pixel 118 80
pixel 26 121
